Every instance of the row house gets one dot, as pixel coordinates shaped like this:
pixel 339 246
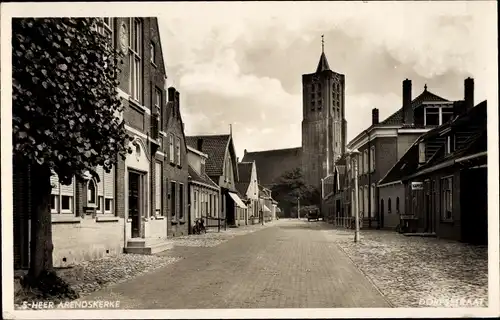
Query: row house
pixel 204 193
pixel 221 166
pixel 445 177
pixel 382 144
pixel 142 200
pixel 248 188
pixel 335 204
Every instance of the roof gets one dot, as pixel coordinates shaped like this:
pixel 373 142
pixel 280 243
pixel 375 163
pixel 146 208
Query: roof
pixel 271 164
pixel 203 178
pixel 322 64
pixel 475 143
pixel 242 188
pixel 245 171
pixel 215 147
pixel 397 117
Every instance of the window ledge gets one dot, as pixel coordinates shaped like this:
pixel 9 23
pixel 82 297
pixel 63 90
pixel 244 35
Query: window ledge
pixel 174 222
pixel 137 104
pixel 154 64
pixel 447 221
pixel 157 218
pixel 182 221
pixel 58 219
pixel 163 134
pixel 107 219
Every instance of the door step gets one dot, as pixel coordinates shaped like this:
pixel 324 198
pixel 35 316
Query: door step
pixel 147 246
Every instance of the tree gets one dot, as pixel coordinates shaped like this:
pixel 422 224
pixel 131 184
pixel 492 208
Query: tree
pixel 291 186
pixel 64 112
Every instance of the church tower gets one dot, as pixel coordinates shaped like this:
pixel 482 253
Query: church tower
pixel 323 121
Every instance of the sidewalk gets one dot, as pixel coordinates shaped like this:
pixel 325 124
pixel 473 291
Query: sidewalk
pixel 419 272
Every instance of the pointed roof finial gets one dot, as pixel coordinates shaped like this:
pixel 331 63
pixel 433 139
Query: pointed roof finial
pixel 322 43
pixel 425 87
pixel 231 129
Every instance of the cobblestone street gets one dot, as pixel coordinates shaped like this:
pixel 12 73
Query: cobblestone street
pixel 288 265
pixel 418 272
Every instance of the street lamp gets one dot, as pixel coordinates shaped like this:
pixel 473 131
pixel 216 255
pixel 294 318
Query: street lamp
pixel 298 208
pixel 354 153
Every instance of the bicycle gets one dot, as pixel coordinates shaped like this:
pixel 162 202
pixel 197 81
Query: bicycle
pixel 199 226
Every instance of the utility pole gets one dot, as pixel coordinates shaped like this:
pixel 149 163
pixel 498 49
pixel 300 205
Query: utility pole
pixel 355 153
pixel 298 208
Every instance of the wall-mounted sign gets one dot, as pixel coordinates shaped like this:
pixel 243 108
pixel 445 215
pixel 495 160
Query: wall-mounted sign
pixel 417 186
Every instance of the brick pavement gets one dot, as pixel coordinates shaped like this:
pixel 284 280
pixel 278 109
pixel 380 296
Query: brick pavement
pixel 288 265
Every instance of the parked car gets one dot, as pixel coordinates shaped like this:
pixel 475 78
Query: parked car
pixel 313 215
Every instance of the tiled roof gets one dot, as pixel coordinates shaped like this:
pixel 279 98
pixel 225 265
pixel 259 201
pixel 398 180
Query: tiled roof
pixel 203 178
pixel 322 64
pixel 271 164
pixel 397 117
pixel 215 147
pixel 408 164
pixel 245 171
pixel 242 188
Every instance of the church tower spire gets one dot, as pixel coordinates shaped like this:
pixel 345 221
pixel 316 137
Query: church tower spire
pixel 323 62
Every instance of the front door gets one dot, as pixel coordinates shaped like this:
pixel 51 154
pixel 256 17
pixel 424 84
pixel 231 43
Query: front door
pixel 382 213
pixel 134 203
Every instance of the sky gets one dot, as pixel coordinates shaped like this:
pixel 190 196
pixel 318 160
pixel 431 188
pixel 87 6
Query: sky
pixel 241 63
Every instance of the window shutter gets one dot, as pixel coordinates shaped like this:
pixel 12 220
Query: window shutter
pixel 54 180
pixel 67 190
pixel 100 185
pixel 109 183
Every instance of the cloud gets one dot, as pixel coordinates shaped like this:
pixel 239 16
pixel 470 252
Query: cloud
pixel 242 62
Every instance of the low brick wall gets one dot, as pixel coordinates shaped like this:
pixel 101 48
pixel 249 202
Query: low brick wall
pixel 156 228
pixel 86 240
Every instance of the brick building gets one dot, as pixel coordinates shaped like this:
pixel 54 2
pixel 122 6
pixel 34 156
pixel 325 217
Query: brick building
pixel 204 193
pixel 324 131
pixel 142 200
pixel 444 176
pixel 382 144
pixel 221 167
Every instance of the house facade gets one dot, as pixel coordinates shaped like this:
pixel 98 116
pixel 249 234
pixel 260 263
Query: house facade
pixel 130 207
pixel 267 206
pixel 382 144
pixel 204 194
pixel 444 175
pixel 248 188
pixel 221 167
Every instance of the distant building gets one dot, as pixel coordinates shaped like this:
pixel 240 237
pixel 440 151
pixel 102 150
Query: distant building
pixel 248 188
pixel 324 131
pixel 221 167
pixel 445 177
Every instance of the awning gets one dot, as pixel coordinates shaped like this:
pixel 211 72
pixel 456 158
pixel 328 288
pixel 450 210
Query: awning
pixel 237 200
pixel 265 208
pixel 278 209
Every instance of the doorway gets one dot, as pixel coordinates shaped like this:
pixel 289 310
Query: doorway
pixel 381 213
pixel 134 202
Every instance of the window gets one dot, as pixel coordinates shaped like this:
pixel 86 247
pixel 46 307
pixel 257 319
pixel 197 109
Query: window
pixel 372 159
pixel 372 199
pixel 66 204
pixel 54 203
pixel 152 52
pixel 178 151
pixel 105 27
pixel 446 115
pixel 365 159
pixel 135 59
pixel 450 144
pixel 108 205
pixel 360 199
pixel 181 201
pixel 158 107
pixel 91 193
pixel 158 193
pixel 100 204
pixel 171 147
pixel 210 204
pixel 397 205
pixel 447 198
pixel 389 205
pixel 421 152
pixel 381 206
pixel 366 201
pixel 172 199
pixel 432 116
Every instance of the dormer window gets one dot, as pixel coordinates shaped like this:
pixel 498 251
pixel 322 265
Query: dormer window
pixel 421 153
pixel 436 116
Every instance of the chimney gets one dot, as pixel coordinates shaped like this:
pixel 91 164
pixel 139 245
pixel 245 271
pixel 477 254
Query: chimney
pixel 469 93
pixel 171 94
pixel 374 116
pixel 459 108
pixel 199 145
pixel 237 159
pixel 407 110
pixel 245 152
